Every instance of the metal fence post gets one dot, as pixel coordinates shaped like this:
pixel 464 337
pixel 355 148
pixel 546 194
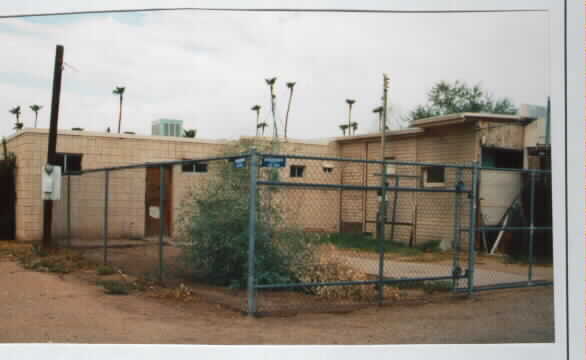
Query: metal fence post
pixel 161 219
pixel 472 230
pixel 531 224
pixel 456 271
pixel 68 211
pixel 251 291
pixel 381 240
pixel 106 190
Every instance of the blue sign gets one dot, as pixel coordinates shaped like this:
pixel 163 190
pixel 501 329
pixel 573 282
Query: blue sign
pixel 274 161
pixel 240 163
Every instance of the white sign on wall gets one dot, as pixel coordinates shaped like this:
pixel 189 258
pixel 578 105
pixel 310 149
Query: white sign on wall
pixel 154 212
pixel 51 182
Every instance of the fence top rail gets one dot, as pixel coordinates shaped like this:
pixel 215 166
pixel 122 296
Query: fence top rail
pixel 399 162
pixel 157 164
pixel 300 157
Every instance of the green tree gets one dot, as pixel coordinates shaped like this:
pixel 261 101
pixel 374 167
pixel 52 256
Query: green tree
pixel 257 108
pixel 36 109
pixel 350 102
pixel 189 133
pixel 457 97
pixel 119 90
pixel 344 127
pixel 262 126
pixel 16 112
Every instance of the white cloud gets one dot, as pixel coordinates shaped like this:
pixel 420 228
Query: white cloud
pixel 209 69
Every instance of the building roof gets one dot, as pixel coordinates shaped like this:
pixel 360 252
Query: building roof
pixel 402 132
pixel 466 117
pixel 85 133
pixel 115 136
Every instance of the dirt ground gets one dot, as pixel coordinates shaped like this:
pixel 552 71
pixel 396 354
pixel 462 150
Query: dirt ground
pixel 45 307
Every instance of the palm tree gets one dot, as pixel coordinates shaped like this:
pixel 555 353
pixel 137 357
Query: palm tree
pixel 257 109
pixel 354 126
pixel 262 126
pixel 189 133
pixel 271 83
pixel 119 90
pixel 16 111
pixel 290 85
pixel 36 109
pixel 350 102
pixel 343 127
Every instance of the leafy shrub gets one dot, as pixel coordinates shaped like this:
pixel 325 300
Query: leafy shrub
pixel 114 287
pixel 103 270
pixel 437 286
pixel 213 226
pixel 431 246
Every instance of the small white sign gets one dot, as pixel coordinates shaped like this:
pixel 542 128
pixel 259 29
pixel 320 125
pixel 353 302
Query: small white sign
pixel 154 212
pixel 51 182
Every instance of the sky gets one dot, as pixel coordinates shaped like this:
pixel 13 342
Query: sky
pixel 209 69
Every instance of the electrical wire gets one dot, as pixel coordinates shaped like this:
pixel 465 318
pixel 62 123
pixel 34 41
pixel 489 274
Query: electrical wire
pixel 209 9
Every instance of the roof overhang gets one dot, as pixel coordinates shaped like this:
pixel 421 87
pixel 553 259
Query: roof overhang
pixel 395 133
pixel 453 119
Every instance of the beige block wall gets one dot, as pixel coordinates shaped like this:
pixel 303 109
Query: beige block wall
pixel 127 187
pixel 312 209
pixel 458 144
pixel 431 215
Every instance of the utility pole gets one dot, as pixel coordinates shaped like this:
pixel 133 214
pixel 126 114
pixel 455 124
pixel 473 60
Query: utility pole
pixel 51 153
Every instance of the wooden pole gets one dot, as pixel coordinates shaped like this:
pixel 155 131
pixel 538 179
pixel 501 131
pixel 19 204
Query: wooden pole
pixel 51 153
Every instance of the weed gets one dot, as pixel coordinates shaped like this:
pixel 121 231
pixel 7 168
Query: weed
pixel 437 286
pixel 114 287
pixel 362 242
pixel 103 270
pixel 430 246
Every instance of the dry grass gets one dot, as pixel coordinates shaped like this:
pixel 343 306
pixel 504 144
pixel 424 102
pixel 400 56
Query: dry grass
pixel 328 268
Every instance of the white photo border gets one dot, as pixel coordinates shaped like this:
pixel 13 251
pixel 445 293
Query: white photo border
pixel 567 74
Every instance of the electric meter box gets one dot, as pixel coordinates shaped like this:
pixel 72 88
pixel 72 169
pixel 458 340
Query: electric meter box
pixel 51 182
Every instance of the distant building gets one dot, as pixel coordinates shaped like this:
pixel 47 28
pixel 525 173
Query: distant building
pixel 167 127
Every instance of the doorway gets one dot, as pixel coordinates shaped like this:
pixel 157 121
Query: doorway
pixel 152 201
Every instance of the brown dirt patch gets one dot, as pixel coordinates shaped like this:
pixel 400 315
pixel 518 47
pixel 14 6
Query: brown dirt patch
pixel 70 308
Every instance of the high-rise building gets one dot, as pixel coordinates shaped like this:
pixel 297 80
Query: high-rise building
pixel 167 127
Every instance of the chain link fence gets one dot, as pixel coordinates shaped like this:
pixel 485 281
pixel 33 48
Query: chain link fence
pixel 265 233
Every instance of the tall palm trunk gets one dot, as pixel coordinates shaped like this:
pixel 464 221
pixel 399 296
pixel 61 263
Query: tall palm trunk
pixel 36 118
pixel 257 117
pixel 349 116
pixel 290 85
pixel 120 114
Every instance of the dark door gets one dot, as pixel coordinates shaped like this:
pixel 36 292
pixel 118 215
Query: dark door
pixel 152 201
pixel 7 200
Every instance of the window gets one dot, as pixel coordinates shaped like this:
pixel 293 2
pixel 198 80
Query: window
pixel 297 170
pixel 434 176
pixel 68 162
pixel 196 166
pixel 328 168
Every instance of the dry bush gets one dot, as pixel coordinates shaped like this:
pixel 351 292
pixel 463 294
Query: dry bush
pixel 328 268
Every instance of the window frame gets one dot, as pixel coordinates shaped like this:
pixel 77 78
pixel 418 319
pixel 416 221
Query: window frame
pixel 296 167
pixel 194 164
pixel 427 183
pixel 66 160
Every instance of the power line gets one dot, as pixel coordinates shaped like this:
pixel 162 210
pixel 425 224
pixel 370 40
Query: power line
pixel 268 10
